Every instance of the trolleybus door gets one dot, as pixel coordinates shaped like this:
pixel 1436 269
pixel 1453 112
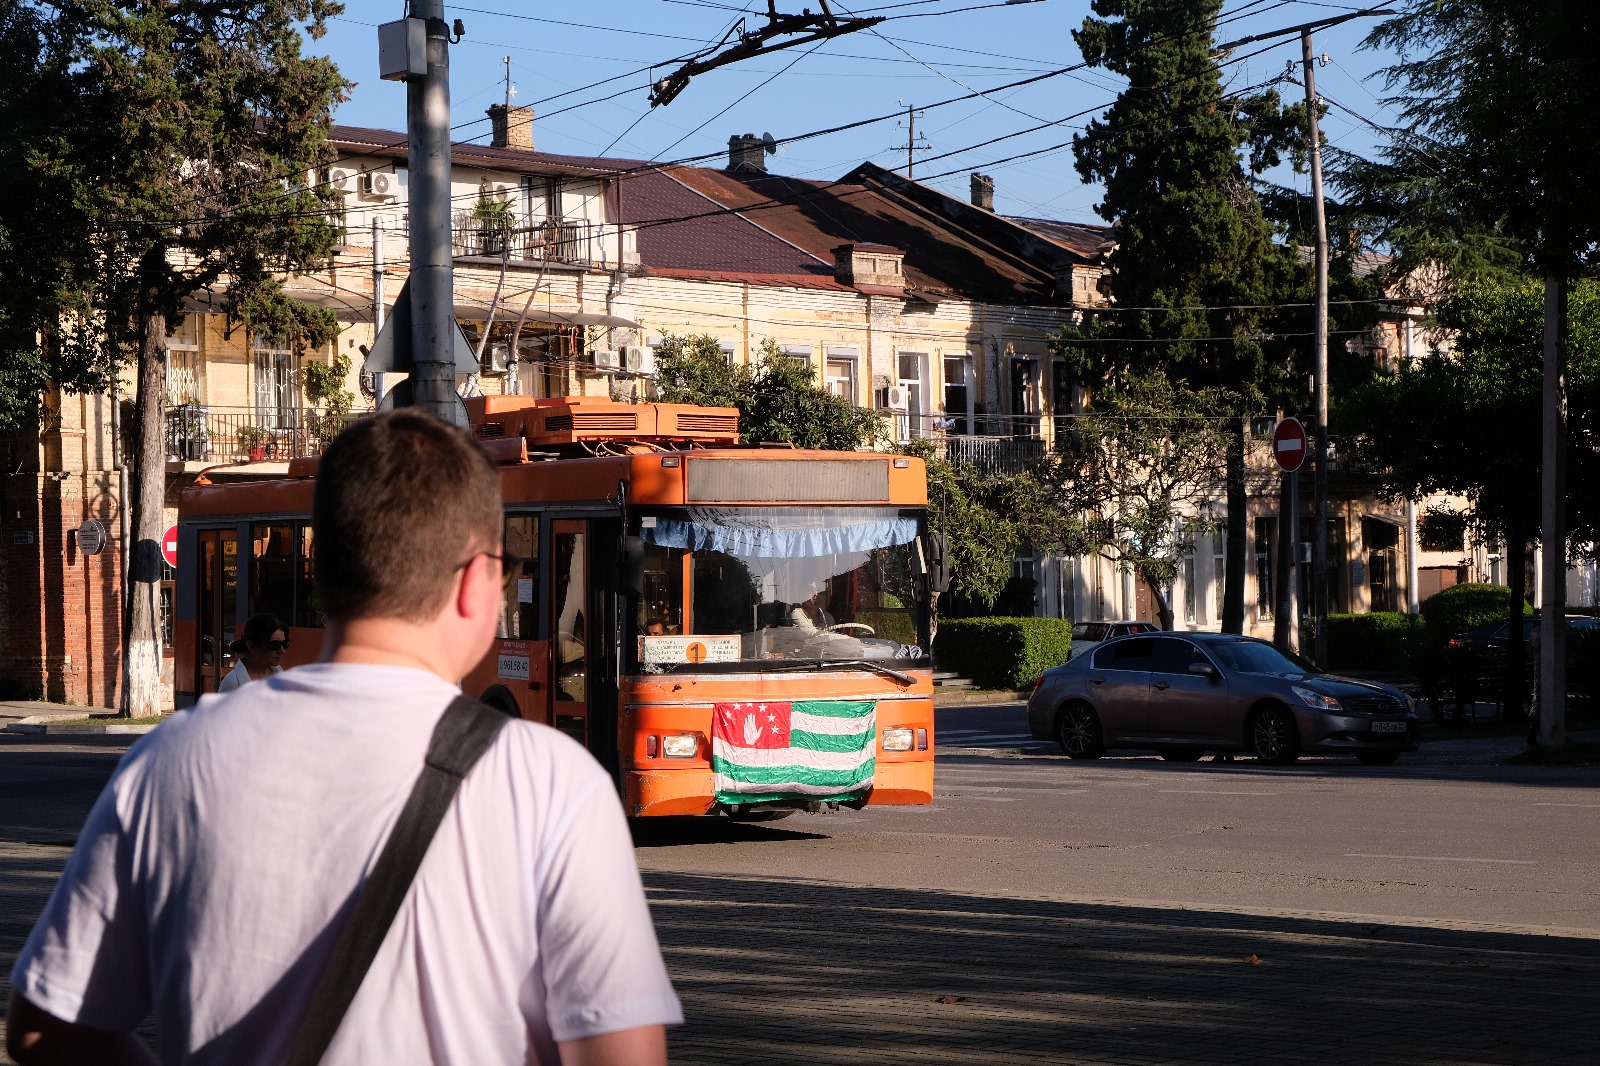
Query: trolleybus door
pixel 571 628
pixel 217 561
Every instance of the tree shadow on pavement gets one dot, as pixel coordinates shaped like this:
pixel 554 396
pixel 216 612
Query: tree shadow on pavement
pixel 775 971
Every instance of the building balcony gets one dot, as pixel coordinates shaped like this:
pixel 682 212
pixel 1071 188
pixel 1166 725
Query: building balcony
pixel 199 434
pixel 571 242
pixel 990 456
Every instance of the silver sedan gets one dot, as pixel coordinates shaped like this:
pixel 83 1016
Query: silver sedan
pixel 1184 695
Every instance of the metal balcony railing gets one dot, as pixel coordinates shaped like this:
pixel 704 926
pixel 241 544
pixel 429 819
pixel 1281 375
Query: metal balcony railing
pixel 202 434
pixel 572 241
pixel 991 455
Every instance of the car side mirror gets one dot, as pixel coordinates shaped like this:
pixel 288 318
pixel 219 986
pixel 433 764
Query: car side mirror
pixel 633 566
pixel 1204 670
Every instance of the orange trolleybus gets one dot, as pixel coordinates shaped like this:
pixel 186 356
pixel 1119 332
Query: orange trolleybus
pixel 726 628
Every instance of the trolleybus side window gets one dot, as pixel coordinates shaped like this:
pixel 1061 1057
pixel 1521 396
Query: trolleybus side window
pixel 571 592
pixel 307 607
pixel 218 588
pixel 519 614
pixel 272 569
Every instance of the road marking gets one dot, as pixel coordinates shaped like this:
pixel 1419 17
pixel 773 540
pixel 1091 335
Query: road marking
pixel 1208 792
pixel 1591 806
pixel 1439 858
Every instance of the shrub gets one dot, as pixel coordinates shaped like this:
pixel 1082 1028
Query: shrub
pixel 1002 652
pixel 1462 607
pixel 1381 640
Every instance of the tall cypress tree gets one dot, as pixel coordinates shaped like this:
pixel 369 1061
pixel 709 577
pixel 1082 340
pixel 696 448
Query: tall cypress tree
pixel 1194 254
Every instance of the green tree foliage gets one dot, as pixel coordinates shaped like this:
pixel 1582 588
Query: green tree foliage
pixel 1495 167
pixel 1195 257
pixel 1465 418
pixel 1140 466
pixel 778 397
pixel 187 140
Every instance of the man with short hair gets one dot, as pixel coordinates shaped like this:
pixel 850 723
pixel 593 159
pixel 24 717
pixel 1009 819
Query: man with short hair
pixel 221 862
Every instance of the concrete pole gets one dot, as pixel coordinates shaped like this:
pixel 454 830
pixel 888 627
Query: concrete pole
pixel 432 268
pixel 1319 555
pixel 1553 521
pixel 377 298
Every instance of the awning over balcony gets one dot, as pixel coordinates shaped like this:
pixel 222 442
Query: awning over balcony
pixel 473 312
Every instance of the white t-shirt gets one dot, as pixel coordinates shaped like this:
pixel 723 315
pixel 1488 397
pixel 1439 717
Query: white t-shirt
pixel 218 865
pixel 239 676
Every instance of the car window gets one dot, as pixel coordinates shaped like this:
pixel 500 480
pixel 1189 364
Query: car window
pixel 1173 655
pixel 1132 654
pixel 1142 627
pixel 1258 657
pixel 1089 631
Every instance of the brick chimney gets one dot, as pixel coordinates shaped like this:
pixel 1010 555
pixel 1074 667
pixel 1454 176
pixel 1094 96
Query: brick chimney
pixel 876 265
pixel 513 127
pixel 746 154
pixel 983 191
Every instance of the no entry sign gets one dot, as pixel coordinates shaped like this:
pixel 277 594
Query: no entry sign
pixel 1289 444
pixel 169 546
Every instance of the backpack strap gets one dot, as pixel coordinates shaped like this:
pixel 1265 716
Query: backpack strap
pixel 463 733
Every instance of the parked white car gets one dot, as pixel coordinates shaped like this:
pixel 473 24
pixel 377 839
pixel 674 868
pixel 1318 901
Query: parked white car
pixel 1085 635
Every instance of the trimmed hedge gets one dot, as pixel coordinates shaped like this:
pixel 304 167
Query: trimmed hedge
pixel 1005 653
pixel 1459 608
pixel 1381 640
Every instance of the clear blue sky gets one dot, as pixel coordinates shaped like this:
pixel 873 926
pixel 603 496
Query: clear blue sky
pixel 555 49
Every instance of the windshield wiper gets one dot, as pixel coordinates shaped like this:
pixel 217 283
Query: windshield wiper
pixel 868 664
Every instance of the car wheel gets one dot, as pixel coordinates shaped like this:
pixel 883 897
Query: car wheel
pixel 1377 758
pixel 1180 753
pixel 1274 737
pixel 1078 732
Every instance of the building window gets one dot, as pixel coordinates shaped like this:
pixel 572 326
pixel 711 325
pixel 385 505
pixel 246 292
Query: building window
pixel 276 386
pixel 1186 574
pixel 800 353
pixel 1060 398
pixel 909 367
pixel 840 373
pixel 1266 546
pixel 1024 398
pixel 185 368
pixel 958 394
pixel 727 348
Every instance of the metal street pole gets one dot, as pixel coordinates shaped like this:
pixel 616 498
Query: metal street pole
pixel 432 271
pixel 1552 693
pixel 377 297
pixel 1319 555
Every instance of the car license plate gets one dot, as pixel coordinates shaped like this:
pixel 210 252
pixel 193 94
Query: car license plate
pixel 1388 727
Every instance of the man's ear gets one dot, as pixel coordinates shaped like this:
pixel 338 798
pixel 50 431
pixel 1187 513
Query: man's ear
pixel 471 595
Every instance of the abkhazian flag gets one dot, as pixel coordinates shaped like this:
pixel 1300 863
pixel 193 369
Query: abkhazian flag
pixel 811 749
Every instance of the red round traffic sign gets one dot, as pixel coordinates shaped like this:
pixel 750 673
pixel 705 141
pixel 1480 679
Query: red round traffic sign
pixel 169 546
pixel 1289 444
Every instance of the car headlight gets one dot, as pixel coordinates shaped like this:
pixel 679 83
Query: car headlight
pixel 1316 699
pixel 898 739
pixel 682 746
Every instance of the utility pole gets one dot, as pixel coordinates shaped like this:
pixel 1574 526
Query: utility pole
pixel 1319 554
pixel 510 92
pixel 432 268
pixel 911 146
pixel 377 296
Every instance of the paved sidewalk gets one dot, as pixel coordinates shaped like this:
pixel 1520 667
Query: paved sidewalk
pixel 775 972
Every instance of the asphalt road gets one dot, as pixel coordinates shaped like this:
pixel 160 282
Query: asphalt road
pixel 1432 837
pixel 1441 911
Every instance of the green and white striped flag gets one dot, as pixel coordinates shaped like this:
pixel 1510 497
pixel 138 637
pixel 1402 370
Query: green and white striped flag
pixel 807 749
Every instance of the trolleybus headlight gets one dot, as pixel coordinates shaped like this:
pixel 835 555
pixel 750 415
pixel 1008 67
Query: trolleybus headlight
pixel 682 746
pixel 897 739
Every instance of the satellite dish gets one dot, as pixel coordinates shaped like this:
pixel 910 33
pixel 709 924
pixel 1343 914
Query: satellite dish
pixel 770 143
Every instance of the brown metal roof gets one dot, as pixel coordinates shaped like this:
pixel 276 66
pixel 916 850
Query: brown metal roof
pixel 388 144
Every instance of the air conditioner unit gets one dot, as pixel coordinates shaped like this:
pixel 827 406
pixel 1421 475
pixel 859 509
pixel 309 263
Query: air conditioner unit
pixel 377 185
pixel 497 358
pixel 609 358
pixel 895 398
pixel 638 359
pixel 339 179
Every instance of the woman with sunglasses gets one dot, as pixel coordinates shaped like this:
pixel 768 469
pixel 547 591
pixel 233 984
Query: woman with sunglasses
pixel 260 651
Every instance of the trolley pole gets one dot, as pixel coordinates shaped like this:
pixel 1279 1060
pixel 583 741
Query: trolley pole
pixel 1319 555
pixel 432 269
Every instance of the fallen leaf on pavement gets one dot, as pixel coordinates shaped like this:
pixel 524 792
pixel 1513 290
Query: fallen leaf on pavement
pixel 951 999
pixel 1253 959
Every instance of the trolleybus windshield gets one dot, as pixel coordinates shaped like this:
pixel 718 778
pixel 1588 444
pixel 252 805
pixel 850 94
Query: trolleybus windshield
pixel 750 586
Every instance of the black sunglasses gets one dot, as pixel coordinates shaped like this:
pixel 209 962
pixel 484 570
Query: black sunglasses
pixel 277 645
pixel 511 566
